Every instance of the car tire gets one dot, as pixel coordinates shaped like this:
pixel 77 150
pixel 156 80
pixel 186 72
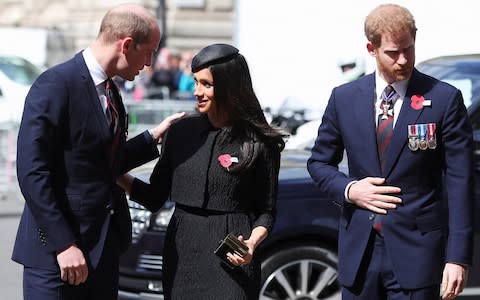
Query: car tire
pixel 306 272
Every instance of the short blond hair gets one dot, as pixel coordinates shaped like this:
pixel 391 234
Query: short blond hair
pixel 388 18
pixel 127 20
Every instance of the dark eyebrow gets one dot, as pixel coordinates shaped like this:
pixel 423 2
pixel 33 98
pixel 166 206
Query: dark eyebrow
pixel 206 81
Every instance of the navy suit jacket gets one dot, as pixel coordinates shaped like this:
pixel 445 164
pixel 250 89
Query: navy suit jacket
pixel 65 169
pixel 434 223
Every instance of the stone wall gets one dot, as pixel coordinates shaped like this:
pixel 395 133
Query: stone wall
pixel 191 24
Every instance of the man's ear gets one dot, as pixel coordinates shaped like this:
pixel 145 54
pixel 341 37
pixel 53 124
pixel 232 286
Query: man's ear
pixel 371 49
pixel 127 42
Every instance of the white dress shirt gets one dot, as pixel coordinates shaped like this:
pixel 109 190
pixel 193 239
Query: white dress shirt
pixel 380 84
pixel 98 75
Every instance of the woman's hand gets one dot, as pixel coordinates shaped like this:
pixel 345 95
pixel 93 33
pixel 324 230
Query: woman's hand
pixel 125 182
pixel 258 234
pixel 237 259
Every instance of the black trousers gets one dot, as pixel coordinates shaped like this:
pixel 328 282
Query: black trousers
pixel 377 280
pixel 101 284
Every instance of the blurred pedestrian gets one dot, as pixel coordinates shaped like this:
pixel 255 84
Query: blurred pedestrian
pixel 71 148
pixel 221 168
pixel 166 74
pixel 142 84
pixel 409 145
pixel 186 82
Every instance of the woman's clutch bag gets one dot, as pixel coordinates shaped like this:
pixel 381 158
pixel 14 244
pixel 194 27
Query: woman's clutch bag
pixel 233 245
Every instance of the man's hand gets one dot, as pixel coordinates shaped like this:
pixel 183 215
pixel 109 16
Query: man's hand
pixel 159 131
pixel 369 193
pixel 73 267
pixel 454 279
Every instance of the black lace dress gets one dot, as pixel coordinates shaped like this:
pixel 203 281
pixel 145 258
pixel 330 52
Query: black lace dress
pixel 210 201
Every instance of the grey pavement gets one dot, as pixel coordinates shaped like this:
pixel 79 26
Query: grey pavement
pixel 11 206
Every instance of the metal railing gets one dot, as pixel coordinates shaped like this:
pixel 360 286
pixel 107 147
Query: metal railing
pixel 146 114
pixel 142 115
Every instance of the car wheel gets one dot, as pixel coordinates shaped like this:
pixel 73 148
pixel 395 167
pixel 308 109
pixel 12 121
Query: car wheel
pixel 302 272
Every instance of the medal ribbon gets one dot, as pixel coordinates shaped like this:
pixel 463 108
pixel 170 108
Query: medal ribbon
pixel 431 127
pixel 422 131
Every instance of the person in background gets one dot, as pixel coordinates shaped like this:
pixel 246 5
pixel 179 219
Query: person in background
pixel 141 84
pixel 166 74
pixel 409 145
pixel 186 82
pixel 71 148
pixel 221 168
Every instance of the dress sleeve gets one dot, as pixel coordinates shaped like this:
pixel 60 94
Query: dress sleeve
pixel 266 178
pixel 135 152
pixel 153 194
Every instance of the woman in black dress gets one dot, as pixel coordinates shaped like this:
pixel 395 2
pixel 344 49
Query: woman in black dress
pixel 221 168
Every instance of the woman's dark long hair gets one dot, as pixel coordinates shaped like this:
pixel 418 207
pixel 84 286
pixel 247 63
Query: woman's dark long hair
pixel 234 96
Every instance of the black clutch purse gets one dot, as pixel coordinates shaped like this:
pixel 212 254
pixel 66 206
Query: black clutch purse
pixel 230 244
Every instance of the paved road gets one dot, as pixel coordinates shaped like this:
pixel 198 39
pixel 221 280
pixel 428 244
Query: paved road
pixel 10 272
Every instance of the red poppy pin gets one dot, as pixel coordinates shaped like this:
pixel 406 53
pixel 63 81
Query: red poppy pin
pixel 419 102
pixel 226 160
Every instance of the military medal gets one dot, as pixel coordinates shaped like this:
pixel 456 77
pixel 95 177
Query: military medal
pixel 422 132
pixel 412 137
pixel 431 137
pixel 386 110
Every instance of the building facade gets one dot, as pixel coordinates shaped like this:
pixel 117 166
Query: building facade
pixel 190 24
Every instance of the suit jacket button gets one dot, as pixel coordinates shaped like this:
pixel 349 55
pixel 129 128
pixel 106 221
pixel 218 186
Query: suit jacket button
pixel 371 217
pixel 110 209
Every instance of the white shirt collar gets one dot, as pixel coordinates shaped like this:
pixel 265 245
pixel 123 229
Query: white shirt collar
pixel 399 86
pixel 401 89
pixel 96 71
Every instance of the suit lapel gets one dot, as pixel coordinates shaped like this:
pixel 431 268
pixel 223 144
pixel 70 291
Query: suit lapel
pixel 92 97
pixel 407 116
pixel 365 110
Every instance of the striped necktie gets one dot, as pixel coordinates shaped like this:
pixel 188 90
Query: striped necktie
pixel 111 111
pixel 384 134
pixel 112 114
pixel 385 122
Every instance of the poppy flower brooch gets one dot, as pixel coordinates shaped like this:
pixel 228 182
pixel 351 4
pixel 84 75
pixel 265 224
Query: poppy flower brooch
pixel 419 102
pixel 226 160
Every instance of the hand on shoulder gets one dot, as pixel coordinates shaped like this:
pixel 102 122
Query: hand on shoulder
pixel 159 131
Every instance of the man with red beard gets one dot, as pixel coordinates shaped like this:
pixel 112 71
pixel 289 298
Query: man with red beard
pixel 409 146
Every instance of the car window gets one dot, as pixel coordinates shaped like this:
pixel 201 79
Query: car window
pixel 19 70
pixel 461 72
pixel 465 85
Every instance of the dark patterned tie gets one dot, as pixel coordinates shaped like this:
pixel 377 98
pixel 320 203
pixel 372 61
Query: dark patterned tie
pixel 385 122
pixel 111 110
pixel 384 134
pixel 112 114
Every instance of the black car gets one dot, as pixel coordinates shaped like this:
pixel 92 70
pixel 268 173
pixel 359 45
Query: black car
pixel 304 237
pixel 299 258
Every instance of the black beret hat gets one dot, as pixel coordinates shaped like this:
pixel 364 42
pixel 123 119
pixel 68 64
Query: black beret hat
pixel 213 54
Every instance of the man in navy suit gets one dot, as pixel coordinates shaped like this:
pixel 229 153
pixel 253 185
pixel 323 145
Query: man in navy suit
pixel 71 148
pixel 405 230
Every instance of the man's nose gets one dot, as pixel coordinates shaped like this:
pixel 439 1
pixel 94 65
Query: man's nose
pixel 402 59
